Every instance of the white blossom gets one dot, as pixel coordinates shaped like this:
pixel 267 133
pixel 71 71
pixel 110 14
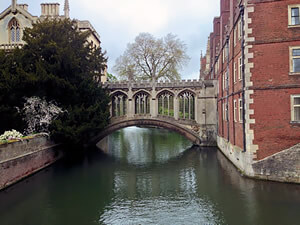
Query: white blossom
pixel 39 114
pixel 11 135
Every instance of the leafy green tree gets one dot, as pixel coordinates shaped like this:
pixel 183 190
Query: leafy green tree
pixel 152 59
pixel 111 77
pixel 57 63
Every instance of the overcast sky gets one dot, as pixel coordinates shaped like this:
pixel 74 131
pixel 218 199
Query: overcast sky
pixel 118 22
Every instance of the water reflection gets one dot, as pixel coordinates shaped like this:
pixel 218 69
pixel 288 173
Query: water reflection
pixel 192 186
pixel 140 146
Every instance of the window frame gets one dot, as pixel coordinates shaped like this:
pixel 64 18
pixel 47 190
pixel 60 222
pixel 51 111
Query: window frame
pixel 234 36
pixel 291 48
pixel 240 68
pixel 223 109
pixel 290 7
pixel 234 110
pixel 223 79
pixel 239 29
pixel 234 72
pixel 226 112
pixel 240 110
pixel 14 31
pixel 293 106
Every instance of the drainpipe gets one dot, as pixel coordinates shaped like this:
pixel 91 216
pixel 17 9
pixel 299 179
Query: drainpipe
pixel 242 10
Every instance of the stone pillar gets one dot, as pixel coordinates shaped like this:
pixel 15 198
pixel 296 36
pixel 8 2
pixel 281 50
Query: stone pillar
pixel 130 105
pixel 197 108
pixel 153 103
pixel 176 107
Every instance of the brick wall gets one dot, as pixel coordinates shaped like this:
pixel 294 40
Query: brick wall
pixel 272 83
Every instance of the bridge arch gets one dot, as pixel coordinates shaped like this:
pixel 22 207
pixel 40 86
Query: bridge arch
pixel 170 125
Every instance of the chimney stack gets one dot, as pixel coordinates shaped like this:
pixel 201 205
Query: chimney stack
pixel 50 9
pixel 14 5
pixel 24 6
pixel 67 9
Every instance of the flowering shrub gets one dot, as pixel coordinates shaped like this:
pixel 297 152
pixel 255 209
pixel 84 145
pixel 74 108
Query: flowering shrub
pixel 11 135
pixel 39 114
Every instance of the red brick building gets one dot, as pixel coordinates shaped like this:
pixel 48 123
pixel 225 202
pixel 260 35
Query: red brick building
pixel 254 54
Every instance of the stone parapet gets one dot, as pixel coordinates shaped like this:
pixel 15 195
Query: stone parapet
pixel 161 84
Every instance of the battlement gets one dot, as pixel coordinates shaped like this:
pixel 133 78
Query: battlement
pixel 161 84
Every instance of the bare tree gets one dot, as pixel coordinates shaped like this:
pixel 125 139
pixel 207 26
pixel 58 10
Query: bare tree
pixel 152 59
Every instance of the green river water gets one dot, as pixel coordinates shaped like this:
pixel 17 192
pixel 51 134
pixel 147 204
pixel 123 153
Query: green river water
pixel 150 176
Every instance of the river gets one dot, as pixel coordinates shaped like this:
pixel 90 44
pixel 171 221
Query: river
pixel 149 176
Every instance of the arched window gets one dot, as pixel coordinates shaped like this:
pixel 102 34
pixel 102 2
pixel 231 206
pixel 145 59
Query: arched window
pixel 142 103
pixel 187 105
pixel 14 31
pixel 119 104
pixel 166 103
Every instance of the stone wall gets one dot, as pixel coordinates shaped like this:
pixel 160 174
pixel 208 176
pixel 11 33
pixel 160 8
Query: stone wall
pixel 283 166
pixel 21 159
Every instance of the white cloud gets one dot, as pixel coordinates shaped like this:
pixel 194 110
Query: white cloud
pixel 135 15
pixel 119 21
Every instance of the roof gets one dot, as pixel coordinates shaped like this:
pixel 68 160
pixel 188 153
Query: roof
pixel 85 24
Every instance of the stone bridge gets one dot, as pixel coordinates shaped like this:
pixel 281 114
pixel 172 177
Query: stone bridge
pixel 187 107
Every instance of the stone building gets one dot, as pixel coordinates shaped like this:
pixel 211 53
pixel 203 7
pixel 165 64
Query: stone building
pixel 16 18
pixel 255 56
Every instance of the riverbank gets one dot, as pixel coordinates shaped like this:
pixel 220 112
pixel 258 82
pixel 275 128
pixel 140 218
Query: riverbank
pixel 23 158
pixel 280 167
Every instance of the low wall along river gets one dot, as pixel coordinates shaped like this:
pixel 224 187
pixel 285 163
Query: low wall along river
pixel 23 158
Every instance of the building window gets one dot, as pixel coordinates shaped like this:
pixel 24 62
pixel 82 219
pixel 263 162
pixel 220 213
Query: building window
pixel 234 110
pixel 227 49
pixel 187 105
pixel 240 110
pixel 142 103
pixel 223 111
pixel 239 29
pixel 227 79
pixel 223 78
pixel 294 17
pixel 240 68
pixel 295 108
pixel 14 31
pixel 166 104
pixel 234 35
pixel 295 59
pixel 234 72
pixel 226 112
pixel 119 104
